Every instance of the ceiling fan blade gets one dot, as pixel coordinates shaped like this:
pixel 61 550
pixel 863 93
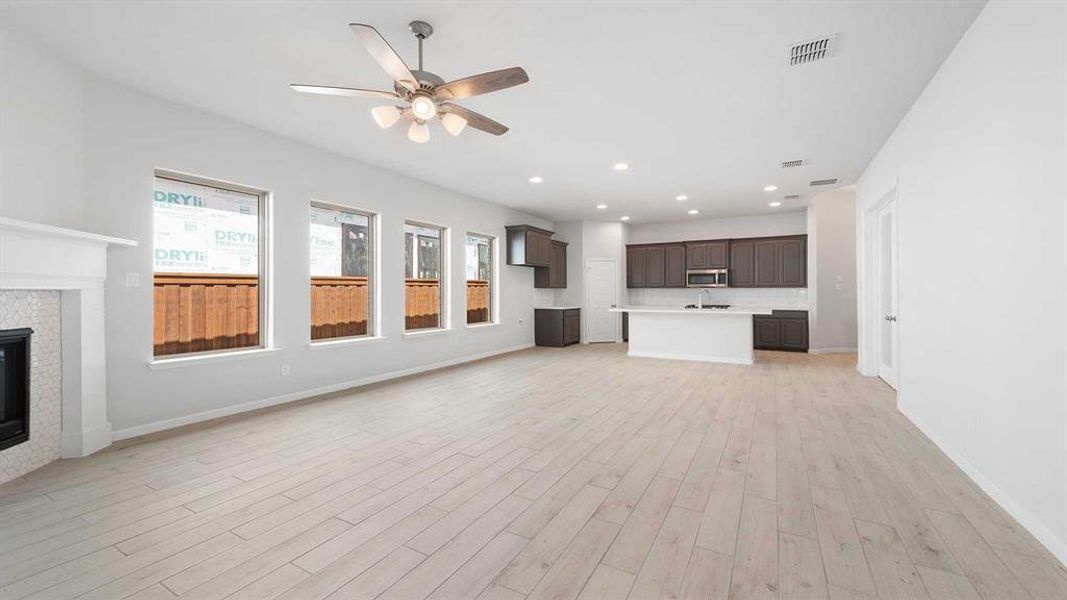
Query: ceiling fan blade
pixel 474 119
pixel 482 84
pixel 382 52
pixel 343 91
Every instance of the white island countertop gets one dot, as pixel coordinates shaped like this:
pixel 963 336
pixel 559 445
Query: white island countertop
pixel 677 310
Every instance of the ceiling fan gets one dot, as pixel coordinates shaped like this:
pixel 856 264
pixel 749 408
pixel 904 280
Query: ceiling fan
pixel 425 94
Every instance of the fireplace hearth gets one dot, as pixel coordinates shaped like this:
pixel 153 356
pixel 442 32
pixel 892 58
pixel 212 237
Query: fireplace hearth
pixel 14 386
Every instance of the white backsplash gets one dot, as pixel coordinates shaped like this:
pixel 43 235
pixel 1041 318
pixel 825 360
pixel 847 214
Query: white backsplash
pixel 774 297
pixel 543 298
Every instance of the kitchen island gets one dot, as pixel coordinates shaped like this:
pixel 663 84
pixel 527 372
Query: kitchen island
pixel 703 334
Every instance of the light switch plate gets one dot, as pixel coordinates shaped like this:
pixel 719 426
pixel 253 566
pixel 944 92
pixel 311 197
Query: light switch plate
pixel 133 280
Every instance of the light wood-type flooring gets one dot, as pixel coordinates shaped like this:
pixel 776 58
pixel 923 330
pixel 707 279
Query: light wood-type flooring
pixel 547 473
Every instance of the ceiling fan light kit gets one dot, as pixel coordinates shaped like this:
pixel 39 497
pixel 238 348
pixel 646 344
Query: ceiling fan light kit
pixel 426 94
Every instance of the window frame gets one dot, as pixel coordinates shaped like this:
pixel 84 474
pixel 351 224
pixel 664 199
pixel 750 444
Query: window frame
pixel 494 278
pixel 373 274
pixel 444 318
pixel 264 264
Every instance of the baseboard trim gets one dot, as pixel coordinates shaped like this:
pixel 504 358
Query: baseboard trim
pixel 692 357
pixel 226 411
pixel 1057 547
pixel 831 350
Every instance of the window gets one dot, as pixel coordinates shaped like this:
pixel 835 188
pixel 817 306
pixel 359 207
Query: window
pixel 479 250
pixel 208 266
pixel 423 276
pixel 341 250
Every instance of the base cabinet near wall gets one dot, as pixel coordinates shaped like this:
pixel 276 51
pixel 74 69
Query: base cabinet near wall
pixel 557 326
pixel 781 330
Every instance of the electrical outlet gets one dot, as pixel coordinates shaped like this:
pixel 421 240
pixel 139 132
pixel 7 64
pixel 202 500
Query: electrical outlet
pixel 133 280
pixel 521 321
pixel 285 370
pixel 972 424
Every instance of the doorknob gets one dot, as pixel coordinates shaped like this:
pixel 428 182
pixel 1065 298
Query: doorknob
pixel 890 318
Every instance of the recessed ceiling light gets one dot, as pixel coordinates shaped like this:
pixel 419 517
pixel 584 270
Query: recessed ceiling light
pixel 536 179
pixel 694 211
pixel 681 198
pixel 621 166
pixel 774 204
pixel 624 218
pixel 601 206
pixel 770 188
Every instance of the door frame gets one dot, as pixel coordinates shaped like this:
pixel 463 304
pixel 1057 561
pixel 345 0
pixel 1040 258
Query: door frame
pixel 585 300
pixel 870 280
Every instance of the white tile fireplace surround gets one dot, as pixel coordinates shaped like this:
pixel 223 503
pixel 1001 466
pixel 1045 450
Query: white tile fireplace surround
pixel 52 280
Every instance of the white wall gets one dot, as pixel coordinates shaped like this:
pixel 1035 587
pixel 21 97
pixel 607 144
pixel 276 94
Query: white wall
pixel 40 135
pixel 786 223
pixel 832 271
pixel 978 163
pixel 127 135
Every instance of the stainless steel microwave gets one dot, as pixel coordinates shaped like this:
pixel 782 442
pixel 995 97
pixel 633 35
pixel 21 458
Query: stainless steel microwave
pixel 700 278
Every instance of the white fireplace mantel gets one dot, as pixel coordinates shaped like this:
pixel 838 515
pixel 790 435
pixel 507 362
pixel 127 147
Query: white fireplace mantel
pixel 34 256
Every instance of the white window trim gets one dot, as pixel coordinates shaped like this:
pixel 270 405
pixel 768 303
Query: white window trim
pixel 326 344
pixel 266 264
pixel 445 318
pixel 428 332
pixel 494 281
pixel 374 293
pixel 203 358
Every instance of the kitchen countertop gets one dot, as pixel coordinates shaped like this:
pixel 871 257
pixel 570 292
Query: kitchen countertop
pixel 556 307
pixel 678 310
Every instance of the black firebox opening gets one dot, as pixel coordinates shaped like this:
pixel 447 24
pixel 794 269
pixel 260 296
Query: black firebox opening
pixel 14 386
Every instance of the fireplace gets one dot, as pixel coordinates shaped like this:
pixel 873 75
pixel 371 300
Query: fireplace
pixel 14 386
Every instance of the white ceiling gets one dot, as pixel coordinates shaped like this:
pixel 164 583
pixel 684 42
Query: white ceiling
pixel 697 97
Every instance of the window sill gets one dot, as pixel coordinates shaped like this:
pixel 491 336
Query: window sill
pixel 418 333
pixel 343 342
pixel 476 326
pixel 201 359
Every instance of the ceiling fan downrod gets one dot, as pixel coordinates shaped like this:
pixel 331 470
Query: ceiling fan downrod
pixel 421 30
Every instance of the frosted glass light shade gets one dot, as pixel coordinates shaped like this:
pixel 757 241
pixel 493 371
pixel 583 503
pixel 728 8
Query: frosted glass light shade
pixel 453 123
pixel 419 132
pixel 423 107
pixel 385 116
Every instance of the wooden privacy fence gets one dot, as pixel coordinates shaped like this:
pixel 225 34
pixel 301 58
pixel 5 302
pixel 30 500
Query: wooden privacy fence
pixel 339 307
pixel 201 312
pixel 477 301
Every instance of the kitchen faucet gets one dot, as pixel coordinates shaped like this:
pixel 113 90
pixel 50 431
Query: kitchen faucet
pixel 700 298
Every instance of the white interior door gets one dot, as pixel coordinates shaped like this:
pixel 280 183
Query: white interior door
pixel 601 294
pixel 888 331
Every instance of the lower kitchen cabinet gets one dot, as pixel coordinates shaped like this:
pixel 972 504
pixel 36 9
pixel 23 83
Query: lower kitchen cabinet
pixel 781 330
pixel 557 326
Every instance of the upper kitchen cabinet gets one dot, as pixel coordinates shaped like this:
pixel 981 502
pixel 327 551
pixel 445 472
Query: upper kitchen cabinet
pixel 742 263
pixel 529 246
pixel 708 255
pixel 655 265
pixel 782 262
pixel 555 274
pixel 674 265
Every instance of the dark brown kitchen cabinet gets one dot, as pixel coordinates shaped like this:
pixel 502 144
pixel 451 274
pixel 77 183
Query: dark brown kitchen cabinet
pixel 742 263
pixel 781 330
pixel 782 262
pixel 529 246
pixel 674 265
pixel 794 269
pixel 708 255
pixel 768 263
pixel 656 271
pixel 636 266
pixel 557 327
pixel 555 274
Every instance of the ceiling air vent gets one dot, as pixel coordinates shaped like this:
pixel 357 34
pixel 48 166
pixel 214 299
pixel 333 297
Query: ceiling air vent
pixel 824 182
pixel 792 163
pixel 811 50
pixel 791 197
